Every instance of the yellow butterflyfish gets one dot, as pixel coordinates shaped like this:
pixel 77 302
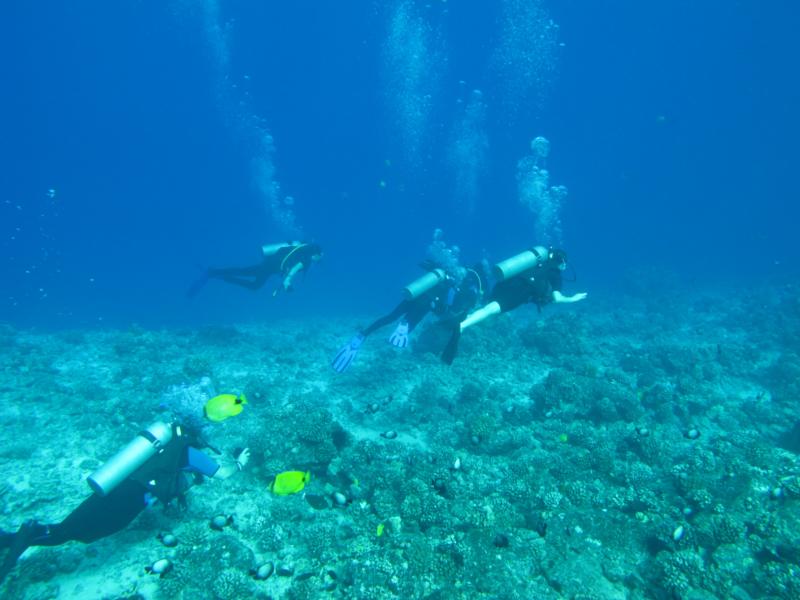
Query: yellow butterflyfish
pixel 289 482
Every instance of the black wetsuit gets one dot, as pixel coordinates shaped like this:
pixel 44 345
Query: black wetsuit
pixel 535 286
pixel 444 300
pixel 279 263
pixel 162 477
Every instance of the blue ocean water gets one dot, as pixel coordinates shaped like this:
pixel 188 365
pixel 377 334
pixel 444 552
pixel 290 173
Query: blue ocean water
pixel 643 443
pixel 673 126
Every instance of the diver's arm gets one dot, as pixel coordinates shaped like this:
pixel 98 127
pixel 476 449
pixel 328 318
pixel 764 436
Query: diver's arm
pixel 287 281
pixel 227 470
pixel 560 298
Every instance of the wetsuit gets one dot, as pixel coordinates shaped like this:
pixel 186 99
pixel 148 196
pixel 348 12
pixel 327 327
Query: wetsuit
pixel 465 297
pixel 163 477
pixel 444 300
pixel 414 309
pixel 279 263
pixel 535 286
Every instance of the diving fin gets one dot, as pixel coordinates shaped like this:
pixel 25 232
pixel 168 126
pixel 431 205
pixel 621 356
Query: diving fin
pixel 450 351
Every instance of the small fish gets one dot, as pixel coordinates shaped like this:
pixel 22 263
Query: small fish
pixel 289 482
pixel 263 572
pixel 220 522
pixel 285 570
pixel 161 567
pixel 389 435
pixel 223 406
pixel 169 540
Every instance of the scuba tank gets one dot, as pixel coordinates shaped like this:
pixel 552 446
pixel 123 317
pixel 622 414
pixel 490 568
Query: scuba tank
pixel 270 249
pixel 144 446
pixel 419 286
pixel 519 263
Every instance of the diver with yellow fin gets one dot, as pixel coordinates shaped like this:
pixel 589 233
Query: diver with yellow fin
pixel 533 276
pixel 438 291
pixel 286 259
pixel 152 467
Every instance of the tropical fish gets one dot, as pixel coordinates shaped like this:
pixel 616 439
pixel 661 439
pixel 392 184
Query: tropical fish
pixel 223 406
pixel 168 539
pixel 263 571
pixel 161 567
pixel 220 522
pixel 289 482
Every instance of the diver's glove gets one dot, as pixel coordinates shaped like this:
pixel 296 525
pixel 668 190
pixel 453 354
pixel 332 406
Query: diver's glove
pixel 399 339
pixel 347 354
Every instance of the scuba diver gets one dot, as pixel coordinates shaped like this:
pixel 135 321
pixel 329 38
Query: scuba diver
pixel 532 276
pixel 284 259
pixel 437 292
pixel 152 467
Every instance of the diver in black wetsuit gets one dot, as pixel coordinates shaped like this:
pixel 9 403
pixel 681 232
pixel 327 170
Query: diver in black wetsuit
pixel 151 468
pixel 531 277
pixel 285 260
pixel 435 292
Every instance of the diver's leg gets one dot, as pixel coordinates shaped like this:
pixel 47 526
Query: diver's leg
pixel 241 276
pixel 491 309
pixel 451 349
pixel 100 516
pixel 252 278
pixel 415 315
pixel 398 311
pixel 31 533
pixel 95 518
pixel 250 284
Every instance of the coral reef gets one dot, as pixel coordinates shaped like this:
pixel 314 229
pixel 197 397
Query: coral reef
pixel 566 455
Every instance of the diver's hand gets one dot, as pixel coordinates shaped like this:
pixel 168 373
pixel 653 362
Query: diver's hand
pixel 347 354
pixel 243 459
pixel 399 338
pixel 560 298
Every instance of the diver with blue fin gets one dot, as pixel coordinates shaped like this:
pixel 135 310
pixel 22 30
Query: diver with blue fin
pixel 446 295
pixel 286 259
pixel 152 467
pixel 533 276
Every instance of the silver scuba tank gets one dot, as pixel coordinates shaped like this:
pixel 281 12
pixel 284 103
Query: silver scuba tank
pixel 519 263
pixel 270 249
pixel 419 286
pixel 145 445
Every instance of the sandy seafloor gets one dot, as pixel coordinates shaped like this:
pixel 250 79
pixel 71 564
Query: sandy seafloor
pixel 553 460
